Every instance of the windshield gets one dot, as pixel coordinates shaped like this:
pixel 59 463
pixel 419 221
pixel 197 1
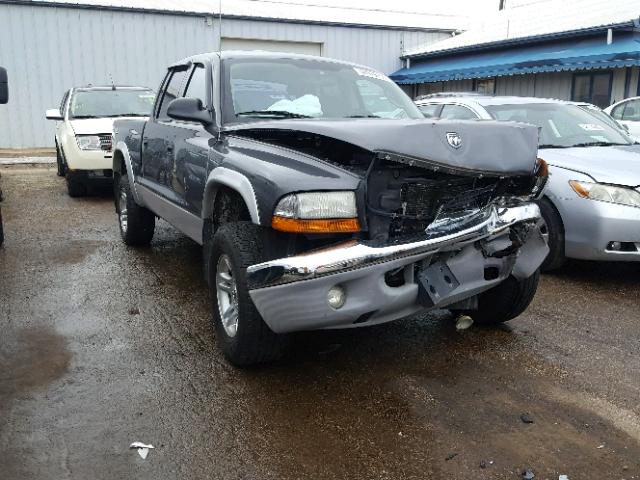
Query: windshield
pixel 593 110
pixel 562 125
pixel 300 88
pixel 111 103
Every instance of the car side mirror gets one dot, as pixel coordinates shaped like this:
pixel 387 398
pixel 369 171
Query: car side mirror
pixel 53 114
pixel 4 86
pixel 190 110
pixel 625 127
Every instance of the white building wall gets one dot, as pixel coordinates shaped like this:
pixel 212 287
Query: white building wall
pixel 47 50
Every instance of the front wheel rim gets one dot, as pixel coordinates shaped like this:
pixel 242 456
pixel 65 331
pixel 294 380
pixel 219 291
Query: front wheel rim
pixel 123 215
pixel 227 295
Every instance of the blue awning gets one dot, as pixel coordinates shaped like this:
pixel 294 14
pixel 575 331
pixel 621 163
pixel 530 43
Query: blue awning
pixel 587 54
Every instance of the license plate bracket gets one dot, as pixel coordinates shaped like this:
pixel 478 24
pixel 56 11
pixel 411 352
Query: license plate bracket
pixel 435 284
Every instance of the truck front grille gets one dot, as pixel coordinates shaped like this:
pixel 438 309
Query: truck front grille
pixel 106 142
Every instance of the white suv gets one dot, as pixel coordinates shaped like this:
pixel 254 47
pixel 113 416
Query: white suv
pixel 84 130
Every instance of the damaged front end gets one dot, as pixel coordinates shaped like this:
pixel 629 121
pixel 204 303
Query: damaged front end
pixel 434 235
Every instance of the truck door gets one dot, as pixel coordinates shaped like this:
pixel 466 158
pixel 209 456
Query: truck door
pixel 191 147
pixel 159 138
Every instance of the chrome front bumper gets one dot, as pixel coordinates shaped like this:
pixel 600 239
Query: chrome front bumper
pixel 290 293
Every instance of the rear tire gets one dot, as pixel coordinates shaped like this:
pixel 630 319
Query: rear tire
pixel 241 333
pixel 137 224
pixel 75 186
pixel 553 230
pixel 505 301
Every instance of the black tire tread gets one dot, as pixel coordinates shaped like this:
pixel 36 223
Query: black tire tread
pixel 255 342
pixel 141 221
pixel 506 301
pixel 75 187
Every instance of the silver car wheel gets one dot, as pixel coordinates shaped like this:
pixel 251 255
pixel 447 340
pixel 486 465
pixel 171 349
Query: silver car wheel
pixel 544 230
pixel 123 215
pixel 227 293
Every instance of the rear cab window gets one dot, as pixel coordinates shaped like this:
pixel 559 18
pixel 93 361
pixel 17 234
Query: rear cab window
pixel 430 110
pixel 457 112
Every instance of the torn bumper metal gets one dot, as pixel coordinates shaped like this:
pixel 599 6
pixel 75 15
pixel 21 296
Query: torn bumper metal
pixel 438 271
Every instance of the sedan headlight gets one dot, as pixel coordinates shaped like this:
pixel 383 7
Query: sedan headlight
pixel 88 142
pixel 317 212
pixel 606 193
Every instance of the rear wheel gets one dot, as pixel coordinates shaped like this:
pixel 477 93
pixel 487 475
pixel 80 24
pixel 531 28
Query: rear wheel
pixel 504 302
pixel 75 186
pixel 241 333
pixel 552 230
pixel 136 223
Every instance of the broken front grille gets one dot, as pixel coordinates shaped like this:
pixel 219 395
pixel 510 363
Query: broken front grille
pixel 405 200
pixel 106 142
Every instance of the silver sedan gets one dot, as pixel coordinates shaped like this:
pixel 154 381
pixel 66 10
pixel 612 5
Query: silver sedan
pixel 591 204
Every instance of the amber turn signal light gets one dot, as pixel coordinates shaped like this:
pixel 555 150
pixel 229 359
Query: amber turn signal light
pixel 335 225
pixel 579 189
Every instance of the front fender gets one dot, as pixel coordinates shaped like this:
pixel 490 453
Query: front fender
pixel 222 176
pixel 121 154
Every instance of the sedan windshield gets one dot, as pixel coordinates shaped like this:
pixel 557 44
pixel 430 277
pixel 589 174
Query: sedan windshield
pixel 562 125
pixel 300 88
pixel 111 103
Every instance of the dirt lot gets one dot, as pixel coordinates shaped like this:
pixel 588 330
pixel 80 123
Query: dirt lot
pixel 103 345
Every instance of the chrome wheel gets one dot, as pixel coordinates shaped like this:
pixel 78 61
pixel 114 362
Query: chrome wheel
pixel 544 230
pixel 227 293
pixel 122 207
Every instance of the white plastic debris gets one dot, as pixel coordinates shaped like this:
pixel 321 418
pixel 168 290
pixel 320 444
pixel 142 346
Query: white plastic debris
pixel 463 322
pixel 143 448
pixel 600 446
pixel 563 477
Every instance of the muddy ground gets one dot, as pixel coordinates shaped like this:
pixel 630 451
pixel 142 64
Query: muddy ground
pixel 102 345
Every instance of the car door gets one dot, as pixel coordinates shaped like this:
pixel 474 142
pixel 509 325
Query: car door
pixel 159 138
pixel 628 114
pixel 192 145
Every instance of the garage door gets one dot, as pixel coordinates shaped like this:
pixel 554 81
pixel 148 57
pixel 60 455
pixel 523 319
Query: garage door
pixel 306 48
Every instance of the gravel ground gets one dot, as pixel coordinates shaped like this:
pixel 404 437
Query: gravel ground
pixel 103 345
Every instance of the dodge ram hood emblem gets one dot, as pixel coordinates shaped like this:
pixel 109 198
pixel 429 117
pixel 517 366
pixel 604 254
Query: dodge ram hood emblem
pixel 454 139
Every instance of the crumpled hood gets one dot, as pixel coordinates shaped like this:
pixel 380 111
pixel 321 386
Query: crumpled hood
pixel 617 165
pixel 95 126
pixel 503 148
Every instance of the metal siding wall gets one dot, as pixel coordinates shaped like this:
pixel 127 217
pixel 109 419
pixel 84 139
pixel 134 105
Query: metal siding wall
pixel 47 50
pixel 617 85
pixel 518 85
pixel 553 85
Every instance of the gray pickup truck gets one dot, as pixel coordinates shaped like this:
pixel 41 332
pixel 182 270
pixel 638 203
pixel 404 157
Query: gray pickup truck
pixel 324 199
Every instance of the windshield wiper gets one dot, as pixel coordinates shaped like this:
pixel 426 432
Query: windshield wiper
pixel 272 113
pixel 362 116
pixel 597 144
pixel 550 145
pixel 127 115
pixel 82 117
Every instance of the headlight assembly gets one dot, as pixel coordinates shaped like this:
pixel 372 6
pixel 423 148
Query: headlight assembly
pixel 88 142
pixel 606 193
pixel 317 212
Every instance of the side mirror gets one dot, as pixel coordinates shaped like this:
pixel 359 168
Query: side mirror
pixel 4 86
pixel 53 114
pixel 190 110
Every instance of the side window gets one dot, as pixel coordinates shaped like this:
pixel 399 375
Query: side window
pixel 172 91
pixel 631 111
pixel 457 112
pixel 429 110
pixel 197 87
pixel 617 112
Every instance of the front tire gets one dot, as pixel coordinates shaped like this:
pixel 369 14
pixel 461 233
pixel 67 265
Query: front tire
pixel 137 224
pixel 241 333
pixel 75 186
pixel 505 301
pixel 62 168
pixel 552 230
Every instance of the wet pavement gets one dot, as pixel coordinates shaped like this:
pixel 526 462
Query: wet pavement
pixel 103 345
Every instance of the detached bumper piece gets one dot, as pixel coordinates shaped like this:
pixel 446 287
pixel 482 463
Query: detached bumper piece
pixel 381 283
